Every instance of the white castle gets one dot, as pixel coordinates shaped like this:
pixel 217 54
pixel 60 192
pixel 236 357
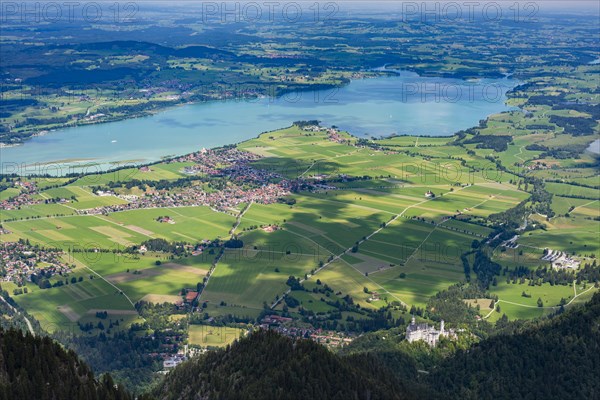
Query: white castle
pixel 424 332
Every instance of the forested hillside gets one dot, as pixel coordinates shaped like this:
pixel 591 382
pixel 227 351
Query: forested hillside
pixel 266 365
pixel 39 368
pixel 559 359
pixel 555 358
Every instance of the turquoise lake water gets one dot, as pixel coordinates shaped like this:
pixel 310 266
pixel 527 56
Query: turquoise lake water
pixel 404 104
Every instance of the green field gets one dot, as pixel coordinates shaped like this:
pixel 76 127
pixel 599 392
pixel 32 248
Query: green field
pixel 515 306
pixel 62 307
pixel 389 236
pixel 213 336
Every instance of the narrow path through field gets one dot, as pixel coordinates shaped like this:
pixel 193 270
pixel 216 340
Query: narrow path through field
pixel 29 326
pixel 584 205
pixel 381 288
pixel 339 256
pixel 544 307
pixel 121 292
pixel 238 220
pixel 520 152
pixel 424 240
pixel 307 169
pixel 356 205
pixel 315 162
pixel 309 239
pixel 485 201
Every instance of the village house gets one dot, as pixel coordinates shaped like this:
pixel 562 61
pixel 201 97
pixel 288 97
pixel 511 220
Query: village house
pixel 269 320
pixel 173 361
pixel 166 220
pixel 103 193
pixel 374 296
pixel 270 228
pixel 190 296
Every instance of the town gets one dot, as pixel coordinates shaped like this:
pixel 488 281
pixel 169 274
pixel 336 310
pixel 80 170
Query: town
pixel 243 184
pixel 21 262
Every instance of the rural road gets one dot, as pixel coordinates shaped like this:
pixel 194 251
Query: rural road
pixel 29 326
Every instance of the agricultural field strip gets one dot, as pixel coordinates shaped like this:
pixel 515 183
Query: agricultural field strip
pixel 339 256
pixel 257 221
pixel 119 211
pixel 123 226
pixel 216 262
pixel 386 243
pixel 356 205
pixel 486 200
pixel 309 239
pixel 384 290
pixel 109 282
pixel 421 244
pixel 333 241
pixel 314 162
pixel 585 205
pixel 176 212
pixel 368 252
pixel 204 221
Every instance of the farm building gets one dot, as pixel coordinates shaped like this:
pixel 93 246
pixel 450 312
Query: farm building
pixel 559 259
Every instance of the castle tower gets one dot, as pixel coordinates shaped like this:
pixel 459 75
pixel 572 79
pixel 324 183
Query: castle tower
pixel 412 321
pixel 442 327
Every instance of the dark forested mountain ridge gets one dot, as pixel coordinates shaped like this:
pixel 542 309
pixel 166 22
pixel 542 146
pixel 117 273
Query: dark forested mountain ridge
pixel 266 365
pixel 556 359
pixel 39 368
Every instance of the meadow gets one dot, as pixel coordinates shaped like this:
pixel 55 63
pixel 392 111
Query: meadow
pixel 213 336
pixel 381 231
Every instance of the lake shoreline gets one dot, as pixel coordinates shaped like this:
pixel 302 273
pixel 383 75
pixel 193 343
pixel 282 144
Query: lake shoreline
pixel 360 107
pixel 381 71
pixel 32 133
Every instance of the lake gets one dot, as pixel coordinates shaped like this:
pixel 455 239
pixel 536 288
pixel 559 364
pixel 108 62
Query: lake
pixel 594 147
pixel 403 104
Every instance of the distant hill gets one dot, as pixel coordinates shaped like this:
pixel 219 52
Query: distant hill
pixel 39 368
